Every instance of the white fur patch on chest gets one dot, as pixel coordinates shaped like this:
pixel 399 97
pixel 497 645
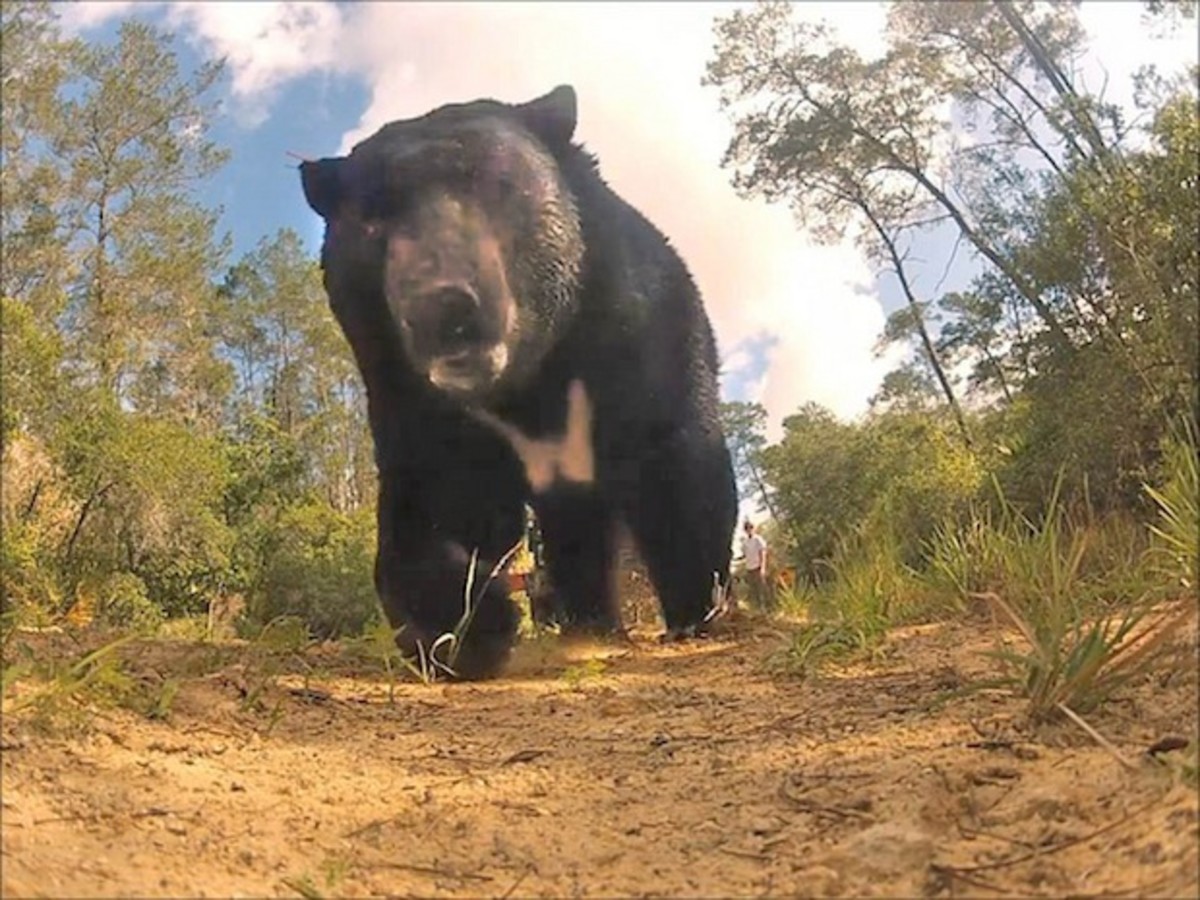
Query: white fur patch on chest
pixel 569 457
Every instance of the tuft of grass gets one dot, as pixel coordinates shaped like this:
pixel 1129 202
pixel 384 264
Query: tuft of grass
pixel 1073 664
pixel 186 628
pixel 1175 552
pixel 378 643
pixel 279 643
pixel 811 646
pixel 872 588
pixel 442 655
pixel 304 886
pixel 58 694
pixel 335 869
pixel 282 635
pixel 576 675
pixel 1057 558
pixel 428 664
pixel 1084 632
pixel 160 706
pixel 793 601
pixel 1184 765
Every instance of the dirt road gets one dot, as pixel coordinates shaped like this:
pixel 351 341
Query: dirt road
pixel 589 771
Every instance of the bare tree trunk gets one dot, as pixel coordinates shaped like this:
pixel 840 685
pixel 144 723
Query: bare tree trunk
pixel 96 496
pixel 990 253
pixel 33 499
pixel 918 321
pixel 1101 153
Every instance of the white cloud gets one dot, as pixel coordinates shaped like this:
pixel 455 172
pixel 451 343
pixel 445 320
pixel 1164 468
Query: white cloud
pixel 1121 40
pixel 265 44
pixel 78 17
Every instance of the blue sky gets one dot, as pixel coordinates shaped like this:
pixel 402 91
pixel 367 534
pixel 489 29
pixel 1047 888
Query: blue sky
pixel 259 188
pixel 796 321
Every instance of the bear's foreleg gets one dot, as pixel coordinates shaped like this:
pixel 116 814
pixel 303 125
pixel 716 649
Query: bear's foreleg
pixel 426 537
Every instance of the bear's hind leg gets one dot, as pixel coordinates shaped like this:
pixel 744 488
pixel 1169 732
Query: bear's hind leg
pixel 682 513
pixel 579 542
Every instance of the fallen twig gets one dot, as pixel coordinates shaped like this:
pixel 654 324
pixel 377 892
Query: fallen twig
pixel 950 872
pixel 373 824
pixel 1053 848
pixel 1142 890
pixel 971 834
pixel 745 854
pixel 1096 736
pixel 805 805
pixel 1166 745
pixel 428 870
pixel 523 756
pixel 313 695
pixel 153 811
pixel 516 884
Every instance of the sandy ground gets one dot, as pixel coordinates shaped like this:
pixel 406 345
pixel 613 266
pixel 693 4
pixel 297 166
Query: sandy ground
pixel 691 770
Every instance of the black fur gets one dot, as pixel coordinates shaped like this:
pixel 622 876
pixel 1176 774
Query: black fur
pixel 608 302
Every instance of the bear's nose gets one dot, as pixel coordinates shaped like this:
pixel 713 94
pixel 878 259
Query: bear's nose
pixel 454 317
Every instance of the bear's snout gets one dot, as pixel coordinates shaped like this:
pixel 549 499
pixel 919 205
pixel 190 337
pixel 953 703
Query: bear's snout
pixel 451 335
pixel 446 321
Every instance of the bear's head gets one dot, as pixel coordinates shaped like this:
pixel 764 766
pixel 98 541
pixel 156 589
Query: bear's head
pixel 454 237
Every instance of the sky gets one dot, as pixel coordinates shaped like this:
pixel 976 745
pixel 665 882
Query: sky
pixel 795 321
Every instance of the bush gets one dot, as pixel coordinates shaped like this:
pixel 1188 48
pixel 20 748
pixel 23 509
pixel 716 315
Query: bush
pixel 897 472
pixel 123 601
pixel 871 590
pixel 318 566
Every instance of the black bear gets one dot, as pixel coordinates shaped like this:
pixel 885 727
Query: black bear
pixel 524 335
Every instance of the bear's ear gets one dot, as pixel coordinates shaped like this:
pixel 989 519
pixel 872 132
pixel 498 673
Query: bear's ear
pixel 322 181
pixel 551 117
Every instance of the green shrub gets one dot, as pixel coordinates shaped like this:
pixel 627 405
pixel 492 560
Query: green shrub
pixel 317 566
pixel 122 601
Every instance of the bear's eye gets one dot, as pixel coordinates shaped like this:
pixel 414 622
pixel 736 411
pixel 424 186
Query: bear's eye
pixel 385 204
pixel 505 188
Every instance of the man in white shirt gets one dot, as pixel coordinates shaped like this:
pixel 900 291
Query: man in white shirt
pixel 754 564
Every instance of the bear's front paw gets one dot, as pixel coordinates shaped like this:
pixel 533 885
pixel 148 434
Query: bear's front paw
pixel 473 656
pixel 444 644
pixel 599 625
pixel 685 633
pixel 481 656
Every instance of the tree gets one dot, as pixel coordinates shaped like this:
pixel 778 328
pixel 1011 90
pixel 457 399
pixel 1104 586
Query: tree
pixel 814 126
pixel 898 469
pixel 744 425
pixel 817 472
pixel 29 372
pixel 1084 312
pixel 838 137
pixel 110 373
pixel 293 364
pixel 34 263
pixel 130 143
pixel 169 436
